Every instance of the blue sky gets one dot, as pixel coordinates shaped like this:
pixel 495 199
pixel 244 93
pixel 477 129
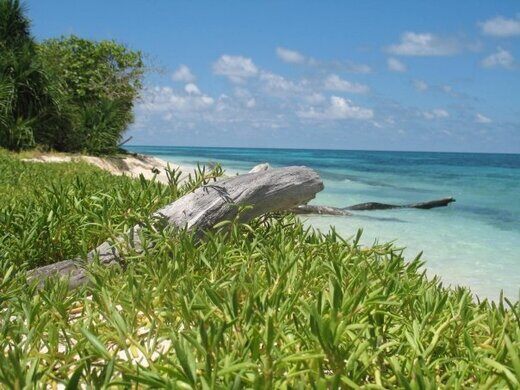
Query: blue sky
pixel 378 75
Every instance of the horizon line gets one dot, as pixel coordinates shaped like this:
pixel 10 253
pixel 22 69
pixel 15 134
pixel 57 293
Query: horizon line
pixel 324 149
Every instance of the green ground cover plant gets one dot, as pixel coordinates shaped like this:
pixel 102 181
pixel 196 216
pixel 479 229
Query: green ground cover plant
pixel 269 304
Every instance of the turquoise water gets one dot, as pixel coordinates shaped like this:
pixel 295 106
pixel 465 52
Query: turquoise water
pixel 474 242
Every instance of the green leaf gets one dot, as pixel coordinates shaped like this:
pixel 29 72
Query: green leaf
pixel 96 343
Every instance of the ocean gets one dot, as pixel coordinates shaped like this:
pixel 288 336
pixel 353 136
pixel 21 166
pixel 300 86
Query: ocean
pixel 474 242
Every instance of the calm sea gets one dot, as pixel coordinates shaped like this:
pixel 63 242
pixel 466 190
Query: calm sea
pixel 474 242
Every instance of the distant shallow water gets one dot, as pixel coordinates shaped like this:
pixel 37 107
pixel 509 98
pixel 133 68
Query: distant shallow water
pixel 474 242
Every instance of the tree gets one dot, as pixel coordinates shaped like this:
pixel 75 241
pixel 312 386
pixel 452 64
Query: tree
pixel 14 25
pixel 68 94
pixel 28 108
pixel 101 80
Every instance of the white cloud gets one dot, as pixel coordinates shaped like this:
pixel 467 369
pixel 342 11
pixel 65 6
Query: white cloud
pixel 241 93
pixel 420 85
pixel 183 74
pixel 339 66
pixel 336 83
pixel 276 84
pixel 295 57
pixel 314 98
pixel 502 58
pixel 423 44
pixel 501 27
pixel 166 101
pixel 192 89
pixel 479 118
pixel 245 97
pixel 437 113
pixel 339 108
pixel 447 89
pixel 395 65
pixel 168 110
pixel 235 68
pixel 290 56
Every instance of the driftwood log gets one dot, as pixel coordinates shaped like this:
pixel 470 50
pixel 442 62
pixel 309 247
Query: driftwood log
pixel 264 191
pixel 345 211
pixel 384 206
pixel 260 168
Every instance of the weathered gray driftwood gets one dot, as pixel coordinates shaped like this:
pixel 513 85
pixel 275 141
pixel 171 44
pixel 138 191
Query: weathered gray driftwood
pixel 344 211
pixel 260 168
pixel 384 206
pixel 264 191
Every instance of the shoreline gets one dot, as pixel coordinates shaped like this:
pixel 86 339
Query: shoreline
pixel 376 228
pixel 473 243
pixel 133 165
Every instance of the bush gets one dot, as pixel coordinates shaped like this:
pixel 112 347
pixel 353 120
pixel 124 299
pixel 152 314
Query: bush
pixel 68 94
pixel 97 128
pixel 17 134
pixel 101 81
pixel 50 212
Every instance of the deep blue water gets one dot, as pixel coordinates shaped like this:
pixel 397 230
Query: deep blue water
pixel 474 242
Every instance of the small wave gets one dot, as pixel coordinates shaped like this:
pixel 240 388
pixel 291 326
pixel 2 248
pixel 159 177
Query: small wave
pixel 345 178
pixel 502 219
pixel 384 219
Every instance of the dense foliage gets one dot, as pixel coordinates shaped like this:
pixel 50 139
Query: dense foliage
pixel 270 304
pixel 68 94
pixel 28 105
pixel 101 81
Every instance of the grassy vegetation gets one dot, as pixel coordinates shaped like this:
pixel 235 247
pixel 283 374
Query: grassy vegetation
pixel 50 212
pixel 269 304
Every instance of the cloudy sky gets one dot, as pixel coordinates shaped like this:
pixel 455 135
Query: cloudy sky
pixel 415 75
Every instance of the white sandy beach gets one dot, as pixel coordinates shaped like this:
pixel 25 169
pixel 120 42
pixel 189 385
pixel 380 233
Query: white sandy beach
pixel 131 165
